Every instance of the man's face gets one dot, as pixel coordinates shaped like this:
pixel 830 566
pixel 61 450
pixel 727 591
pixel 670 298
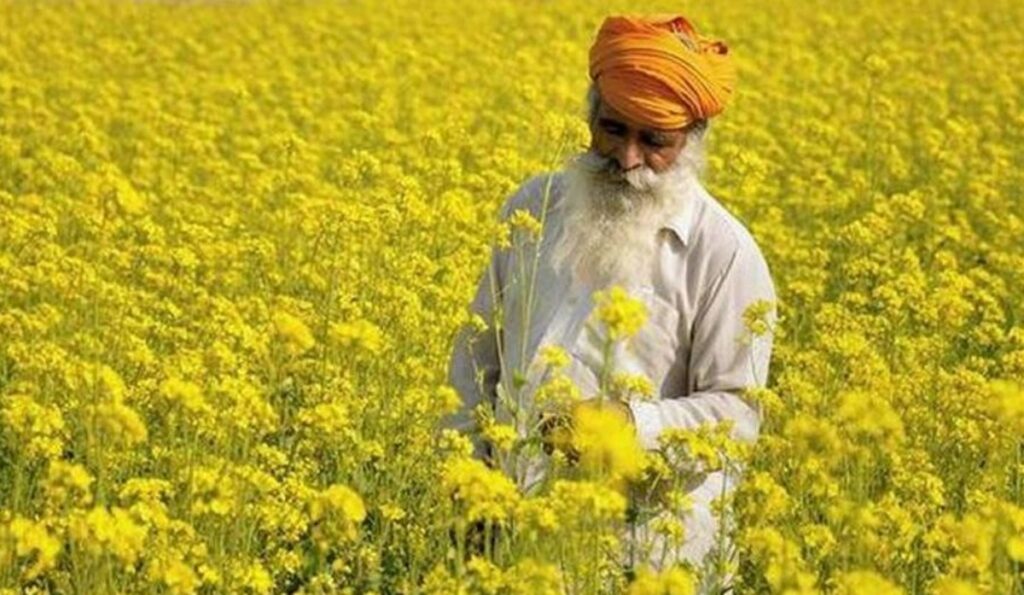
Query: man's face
pixel 632 145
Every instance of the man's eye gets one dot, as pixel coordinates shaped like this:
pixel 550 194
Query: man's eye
pixel 653 141
pixel 613 129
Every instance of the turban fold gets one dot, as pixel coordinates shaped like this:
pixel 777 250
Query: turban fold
pixel 658 71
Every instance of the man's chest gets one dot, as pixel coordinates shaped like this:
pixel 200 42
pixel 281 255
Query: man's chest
pixel 543 307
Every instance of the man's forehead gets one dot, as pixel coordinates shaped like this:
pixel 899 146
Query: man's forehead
pixel 607 112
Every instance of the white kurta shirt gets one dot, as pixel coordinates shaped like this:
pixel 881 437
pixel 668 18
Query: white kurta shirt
pixel 694 347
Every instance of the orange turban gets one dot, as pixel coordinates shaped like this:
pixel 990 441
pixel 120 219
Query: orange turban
pixel 659 72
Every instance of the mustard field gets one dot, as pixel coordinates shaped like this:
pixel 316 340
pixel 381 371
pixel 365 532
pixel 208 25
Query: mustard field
pixel 237 240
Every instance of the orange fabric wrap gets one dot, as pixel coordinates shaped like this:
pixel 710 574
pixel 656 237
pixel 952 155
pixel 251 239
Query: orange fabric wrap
pixel 659 72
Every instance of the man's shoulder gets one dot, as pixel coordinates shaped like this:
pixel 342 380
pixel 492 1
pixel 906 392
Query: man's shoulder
pixel 719 234
pixel 539 192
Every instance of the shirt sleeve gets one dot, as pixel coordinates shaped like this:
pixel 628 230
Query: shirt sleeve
pixel 474 367
pixel 725 359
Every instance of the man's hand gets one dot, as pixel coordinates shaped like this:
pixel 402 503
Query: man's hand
pixel 557 429
pixel 556 434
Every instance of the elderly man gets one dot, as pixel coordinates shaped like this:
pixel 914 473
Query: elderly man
pixel 631 212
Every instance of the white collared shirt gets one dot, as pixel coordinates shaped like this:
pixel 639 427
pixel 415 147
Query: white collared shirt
pixel 694 348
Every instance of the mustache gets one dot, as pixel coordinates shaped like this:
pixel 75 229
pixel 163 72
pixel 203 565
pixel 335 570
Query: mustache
pixel 640 178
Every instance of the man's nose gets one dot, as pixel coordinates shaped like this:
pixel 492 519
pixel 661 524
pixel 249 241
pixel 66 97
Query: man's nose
pixel 629 155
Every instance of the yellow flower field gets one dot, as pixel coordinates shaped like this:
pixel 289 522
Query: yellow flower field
pixel 237 239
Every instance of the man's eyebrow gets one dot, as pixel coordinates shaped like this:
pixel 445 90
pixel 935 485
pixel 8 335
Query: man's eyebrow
pixel 659 134
pixel 664 137
pixel 606 121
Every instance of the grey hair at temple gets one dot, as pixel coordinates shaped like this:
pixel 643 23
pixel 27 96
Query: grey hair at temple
pixel 696 134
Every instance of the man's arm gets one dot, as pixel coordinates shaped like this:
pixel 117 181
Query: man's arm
pixel 724 358
pixel 475 367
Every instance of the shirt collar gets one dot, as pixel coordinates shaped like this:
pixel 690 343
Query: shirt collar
pixel 681 220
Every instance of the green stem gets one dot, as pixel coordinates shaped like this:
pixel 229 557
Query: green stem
pixel 606 368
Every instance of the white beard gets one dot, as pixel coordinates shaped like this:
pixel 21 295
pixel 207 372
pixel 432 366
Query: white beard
pixel 611 219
